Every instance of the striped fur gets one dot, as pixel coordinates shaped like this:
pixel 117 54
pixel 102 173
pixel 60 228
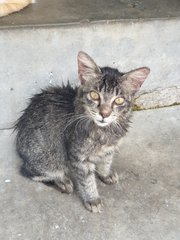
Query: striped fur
pixel 62 137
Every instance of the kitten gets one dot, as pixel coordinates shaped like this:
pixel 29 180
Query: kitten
pixel 71 133
pixel 10 6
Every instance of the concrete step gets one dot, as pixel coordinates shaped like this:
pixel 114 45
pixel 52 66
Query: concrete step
pixel 39 46
pixel 63 12
pixel 145 205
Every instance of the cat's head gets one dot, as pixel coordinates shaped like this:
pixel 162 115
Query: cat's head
pixel 106 95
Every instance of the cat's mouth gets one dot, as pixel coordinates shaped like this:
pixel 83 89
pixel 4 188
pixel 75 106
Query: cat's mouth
pixel 101 123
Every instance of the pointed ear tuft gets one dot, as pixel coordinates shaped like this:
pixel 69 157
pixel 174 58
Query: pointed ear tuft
pixel 135 78
pixel 87 68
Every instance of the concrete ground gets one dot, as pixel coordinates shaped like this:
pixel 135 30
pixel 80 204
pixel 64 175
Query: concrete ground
pixel 145 205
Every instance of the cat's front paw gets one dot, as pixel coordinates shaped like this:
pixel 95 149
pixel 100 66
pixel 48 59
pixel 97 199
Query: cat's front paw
pixel 112 178
pixel 95 206
pixel 66 186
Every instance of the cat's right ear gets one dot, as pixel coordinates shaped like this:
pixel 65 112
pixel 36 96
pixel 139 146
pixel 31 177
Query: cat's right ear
pixel 87 68
pixel 135 78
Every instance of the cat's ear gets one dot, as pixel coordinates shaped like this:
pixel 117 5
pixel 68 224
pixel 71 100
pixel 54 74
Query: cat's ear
pixel 87 68
pixel 135 78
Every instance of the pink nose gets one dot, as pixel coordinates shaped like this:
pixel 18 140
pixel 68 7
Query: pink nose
pixel 105 111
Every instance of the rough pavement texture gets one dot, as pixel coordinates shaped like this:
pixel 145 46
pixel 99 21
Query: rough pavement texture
pixel 160 97
pixel 145 205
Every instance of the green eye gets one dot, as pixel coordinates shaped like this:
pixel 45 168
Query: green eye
pixel 119 101
pixel 94 95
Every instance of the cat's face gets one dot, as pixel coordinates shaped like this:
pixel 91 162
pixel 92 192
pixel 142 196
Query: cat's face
pixel 104 108
pixel 106 94
pixel 105 101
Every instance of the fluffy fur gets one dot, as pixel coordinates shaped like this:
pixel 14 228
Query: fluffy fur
pixel 68 135
pixel 9 6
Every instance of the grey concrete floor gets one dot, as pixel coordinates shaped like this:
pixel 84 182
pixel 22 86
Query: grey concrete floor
pixel 74 11
pixel 145 205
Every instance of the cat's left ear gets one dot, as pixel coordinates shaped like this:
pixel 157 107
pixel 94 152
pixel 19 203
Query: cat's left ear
pixel 87 68
pixel 135 78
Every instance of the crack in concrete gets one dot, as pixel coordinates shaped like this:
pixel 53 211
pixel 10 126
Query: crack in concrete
pixel 157 98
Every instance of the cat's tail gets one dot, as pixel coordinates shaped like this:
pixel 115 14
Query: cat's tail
pixel 10 6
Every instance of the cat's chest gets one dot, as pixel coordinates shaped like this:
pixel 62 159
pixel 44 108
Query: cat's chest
pixel 99 154
pixel 102 139
pixel 94 146
pixel 99 146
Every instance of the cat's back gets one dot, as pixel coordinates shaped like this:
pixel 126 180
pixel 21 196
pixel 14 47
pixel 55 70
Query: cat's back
pixel 50 106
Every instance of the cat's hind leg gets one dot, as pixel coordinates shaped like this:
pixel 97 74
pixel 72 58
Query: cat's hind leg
pixel 59 177
pixel 105 173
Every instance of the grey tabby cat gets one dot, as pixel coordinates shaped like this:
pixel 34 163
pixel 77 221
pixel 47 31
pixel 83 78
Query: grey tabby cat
pixel 68 135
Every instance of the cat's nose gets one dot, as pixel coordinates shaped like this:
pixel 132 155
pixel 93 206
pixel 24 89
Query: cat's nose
pixel 105 111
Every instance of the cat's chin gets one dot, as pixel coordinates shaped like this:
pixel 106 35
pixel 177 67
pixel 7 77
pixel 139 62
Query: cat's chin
pixel 101 124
